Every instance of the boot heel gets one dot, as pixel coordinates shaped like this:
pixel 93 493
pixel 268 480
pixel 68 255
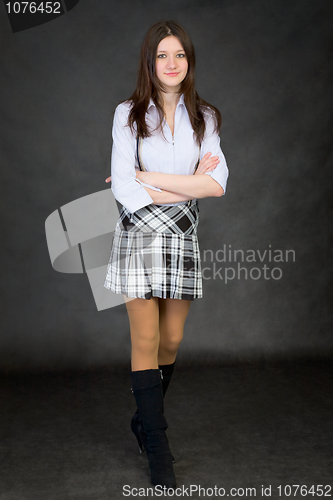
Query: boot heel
pixel 136 431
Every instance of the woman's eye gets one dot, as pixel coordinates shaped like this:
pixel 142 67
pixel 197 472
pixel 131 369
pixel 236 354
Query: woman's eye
pixel 162 56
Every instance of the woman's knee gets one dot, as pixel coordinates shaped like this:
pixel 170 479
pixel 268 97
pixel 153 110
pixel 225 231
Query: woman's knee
pixel 145 339
pixel 172 341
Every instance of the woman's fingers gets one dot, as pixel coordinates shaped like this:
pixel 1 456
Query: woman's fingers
pixel 212 161
pixel 208 160
pixel 208 163
pixel 209 169
pixel 108 179
pixel 207 155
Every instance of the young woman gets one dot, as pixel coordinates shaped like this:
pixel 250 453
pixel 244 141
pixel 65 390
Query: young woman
pixel 166 154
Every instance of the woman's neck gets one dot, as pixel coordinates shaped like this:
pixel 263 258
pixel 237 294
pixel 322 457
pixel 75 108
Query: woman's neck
pixel 170 100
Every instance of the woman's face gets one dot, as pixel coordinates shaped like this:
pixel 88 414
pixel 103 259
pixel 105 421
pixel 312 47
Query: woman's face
pixel 171 63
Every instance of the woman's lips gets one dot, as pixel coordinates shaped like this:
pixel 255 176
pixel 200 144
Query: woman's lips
pixel 172 74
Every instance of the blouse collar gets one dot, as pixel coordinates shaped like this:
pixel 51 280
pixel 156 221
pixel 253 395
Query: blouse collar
pixel 181 101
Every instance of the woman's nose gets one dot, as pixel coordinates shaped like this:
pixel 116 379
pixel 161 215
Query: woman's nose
pixel 171 62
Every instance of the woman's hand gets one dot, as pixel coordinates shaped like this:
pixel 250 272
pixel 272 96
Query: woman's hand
pixel 207 164
pixel 108 179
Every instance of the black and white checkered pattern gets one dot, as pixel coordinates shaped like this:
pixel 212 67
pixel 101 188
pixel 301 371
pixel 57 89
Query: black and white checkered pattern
pixel 155 253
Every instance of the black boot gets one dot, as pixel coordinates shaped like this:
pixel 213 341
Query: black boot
pixel 148 392
pixel 166 372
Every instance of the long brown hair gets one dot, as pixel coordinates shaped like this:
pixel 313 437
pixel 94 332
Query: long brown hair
pixel 148 86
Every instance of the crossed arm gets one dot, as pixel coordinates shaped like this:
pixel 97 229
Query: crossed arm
pixel 177 188
pixel 190 186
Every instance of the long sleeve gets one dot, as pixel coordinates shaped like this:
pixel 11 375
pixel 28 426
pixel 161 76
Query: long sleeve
pixel 126 189
pixel 211 143
pixel 149 186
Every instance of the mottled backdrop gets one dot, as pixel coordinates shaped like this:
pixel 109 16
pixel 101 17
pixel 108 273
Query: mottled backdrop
pixel 267 66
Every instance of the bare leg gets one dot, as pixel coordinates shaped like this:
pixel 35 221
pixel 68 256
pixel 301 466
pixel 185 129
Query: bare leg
pixel 143 316
pixel 172 316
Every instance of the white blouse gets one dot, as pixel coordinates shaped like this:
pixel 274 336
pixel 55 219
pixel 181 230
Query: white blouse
pixel 177 154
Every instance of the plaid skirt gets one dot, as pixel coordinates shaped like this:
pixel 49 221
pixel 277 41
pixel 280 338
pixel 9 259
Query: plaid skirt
pixel 155 253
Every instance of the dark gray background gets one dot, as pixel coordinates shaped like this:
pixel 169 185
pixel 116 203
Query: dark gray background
pixel 267 66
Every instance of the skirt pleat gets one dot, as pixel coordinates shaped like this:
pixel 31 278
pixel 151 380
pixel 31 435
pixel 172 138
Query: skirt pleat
pixel 155 253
